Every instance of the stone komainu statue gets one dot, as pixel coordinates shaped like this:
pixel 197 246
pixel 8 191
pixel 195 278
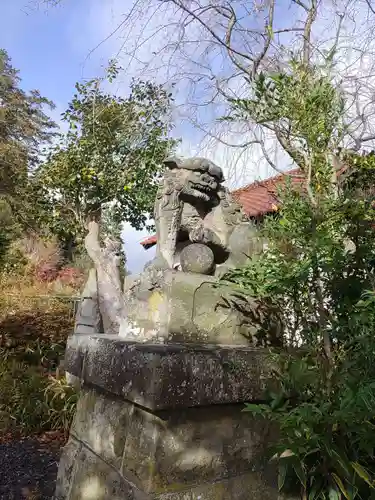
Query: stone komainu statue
pixel 202 232
pixel 193 206
pixel 163 421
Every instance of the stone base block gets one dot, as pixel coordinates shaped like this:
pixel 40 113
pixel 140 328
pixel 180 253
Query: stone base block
pixel 91 478
pixel 83 475
pixel 149 425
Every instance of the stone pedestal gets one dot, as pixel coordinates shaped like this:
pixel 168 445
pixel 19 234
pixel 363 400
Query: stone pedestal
pixel 165 422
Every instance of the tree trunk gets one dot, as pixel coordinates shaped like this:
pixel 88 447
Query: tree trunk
pixel 107 264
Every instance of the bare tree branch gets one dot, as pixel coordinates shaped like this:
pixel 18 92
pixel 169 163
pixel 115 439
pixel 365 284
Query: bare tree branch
pixel 269 34
pixel 311 17
pixel 196 17
pixel 301 4
pixel 369 3
pixel 268 158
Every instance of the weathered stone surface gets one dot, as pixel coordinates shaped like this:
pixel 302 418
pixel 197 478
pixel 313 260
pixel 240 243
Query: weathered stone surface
pixel 168 376
pixel 165 422
pixel 100 422
pixel 66 472
pixel 173 306
pixel 201 231
pixel 197 258
pixel 170 450
pixel 92 478
pixel 249 486
pixel 89 477
pixel 192 204
pixel 244 241
pixel 88 318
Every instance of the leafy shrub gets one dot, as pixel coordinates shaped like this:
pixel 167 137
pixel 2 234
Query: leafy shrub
pixel 39 251
pixel 62 400
pixel 326 448
pixel 43 256
pixel 318 272
pixel 46 272
pixel 70 276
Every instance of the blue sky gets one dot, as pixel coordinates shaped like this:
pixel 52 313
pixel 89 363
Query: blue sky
pixel 45 46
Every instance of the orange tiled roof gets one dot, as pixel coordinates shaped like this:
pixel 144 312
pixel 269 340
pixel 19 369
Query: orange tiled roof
pixel 149 242
pixel 260 197
pixel 257 199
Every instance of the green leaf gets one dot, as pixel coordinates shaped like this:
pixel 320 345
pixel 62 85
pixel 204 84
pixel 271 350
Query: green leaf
pixel 298 468
pixel 315 489
pixel 283 468
pixel 333 493
pixel 342 463
pixel 260 409
pixel 352 491
pixel 114 155
pixel 340 484
pixel 362 473
pixel 287 454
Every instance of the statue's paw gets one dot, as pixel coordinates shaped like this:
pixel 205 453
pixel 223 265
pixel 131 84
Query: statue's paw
pixel 221 271
pixel 196 235
pixel 158 263
pixel 202 235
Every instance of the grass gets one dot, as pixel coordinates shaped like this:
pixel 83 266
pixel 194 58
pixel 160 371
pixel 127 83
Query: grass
pixel 31 401
pixel 34 326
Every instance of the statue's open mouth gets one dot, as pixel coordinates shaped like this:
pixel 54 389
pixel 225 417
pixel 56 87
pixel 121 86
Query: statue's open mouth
pixel 205 188
pixel 204 192
pixel 202 187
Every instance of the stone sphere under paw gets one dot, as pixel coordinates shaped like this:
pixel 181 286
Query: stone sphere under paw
pixel 197 258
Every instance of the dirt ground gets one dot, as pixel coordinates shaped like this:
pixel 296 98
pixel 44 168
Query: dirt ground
pixel 28 468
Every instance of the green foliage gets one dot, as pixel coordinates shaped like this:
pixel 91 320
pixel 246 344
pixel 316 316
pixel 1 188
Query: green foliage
pixel 308 268
pixel 302 99
pixel 32 399
pixel 326 403
pixel 24 130
pixel 9 229
pixel 326 424
pixel 111 156
pixel 318 272
pixel 304 110
pixel 61 399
